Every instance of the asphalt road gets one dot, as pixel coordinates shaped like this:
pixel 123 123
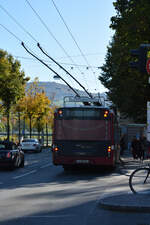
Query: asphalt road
pixel 41 193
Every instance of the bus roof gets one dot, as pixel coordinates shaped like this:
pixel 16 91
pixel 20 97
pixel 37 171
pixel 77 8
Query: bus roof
pixel 82 99
pixel 84 107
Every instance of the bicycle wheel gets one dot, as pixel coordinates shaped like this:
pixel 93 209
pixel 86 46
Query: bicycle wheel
pixel 139 181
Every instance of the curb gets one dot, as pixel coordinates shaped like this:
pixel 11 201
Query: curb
pixel 126 203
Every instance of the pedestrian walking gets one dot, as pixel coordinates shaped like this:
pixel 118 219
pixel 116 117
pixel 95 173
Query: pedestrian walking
pixel 144 146
pixel 148 150
pixel 136 148
pixel 122 144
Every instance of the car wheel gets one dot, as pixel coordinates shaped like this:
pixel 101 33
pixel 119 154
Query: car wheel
pixel 11 168
pixel 17 162
pixel 22 163
pixel 38 150
pixel 67 167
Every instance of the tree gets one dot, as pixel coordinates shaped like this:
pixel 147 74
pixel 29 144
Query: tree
pixel 50 120
pixel 19 109
pixel 12 82
pixel 127 89
pixel 43 110
pixel 36 106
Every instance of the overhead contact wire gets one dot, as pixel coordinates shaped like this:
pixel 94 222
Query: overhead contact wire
pixel 11 33
pixel 39 59
pixel 20 26
pixel 47 28
pixel 51 70
pixel 18 23
pixel 50 32
pixel 82 54
pixel 69 31
pixel 65 71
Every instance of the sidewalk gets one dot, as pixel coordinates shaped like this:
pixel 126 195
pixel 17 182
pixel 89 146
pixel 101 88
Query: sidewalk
pixel 126 208
pixel 128 201
pixel 127 164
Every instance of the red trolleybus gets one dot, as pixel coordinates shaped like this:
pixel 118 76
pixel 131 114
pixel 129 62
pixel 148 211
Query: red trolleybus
pixel 84 135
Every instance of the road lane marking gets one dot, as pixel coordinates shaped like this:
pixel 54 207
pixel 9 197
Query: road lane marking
pixel 53 216
pixel 37 165
pixel 47 165
pixel 25 174
pixel 33 166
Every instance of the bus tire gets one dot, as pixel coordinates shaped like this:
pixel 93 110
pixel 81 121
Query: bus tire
pixel 66 167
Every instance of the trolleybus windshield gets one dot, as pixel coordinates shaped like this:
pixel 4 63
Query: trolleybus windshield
pixel 83 113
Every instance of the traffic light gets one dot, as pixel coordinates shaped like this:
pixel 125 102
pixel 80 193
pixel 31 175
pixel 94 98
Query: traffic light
pixel 141 55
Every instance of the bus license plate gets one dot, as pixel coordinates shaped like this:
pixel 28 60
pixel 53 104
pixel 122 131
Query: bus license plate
pixel 82 161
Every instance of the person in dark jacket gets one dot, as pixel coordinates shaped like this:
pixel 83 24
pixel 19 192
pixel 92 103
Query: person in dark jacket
pixel 144 146
pixel 122 144
pixel 136 148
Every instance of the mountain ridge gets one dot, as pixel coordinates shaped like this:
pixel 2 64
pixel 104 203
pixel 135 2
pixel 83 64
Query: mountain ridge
pixel 56 91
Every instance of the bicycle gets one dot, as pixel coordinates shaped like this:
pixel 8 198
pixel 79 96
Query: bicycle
pixel 139 180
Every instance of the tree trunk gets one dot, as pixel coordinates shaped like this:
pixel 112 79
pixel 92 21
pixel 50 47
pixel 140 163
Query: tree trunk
pixel 19 137
pixel 8 124
pixel 38 134
pixel 30 126
pixel 42 137
pixel 46 135
pixel 24 127
pixel 38 129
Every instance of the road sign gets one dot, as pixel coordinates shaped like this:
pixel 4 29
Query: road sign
pixel 148 66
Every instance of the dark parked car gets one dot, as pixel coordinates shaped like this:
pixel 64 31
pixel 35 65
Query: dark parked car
pixel 10 155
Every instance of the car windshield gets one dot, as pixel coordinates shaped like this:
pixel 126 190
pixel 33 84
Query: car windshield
pixel 7 146
pixel 2 147
pixel 29 140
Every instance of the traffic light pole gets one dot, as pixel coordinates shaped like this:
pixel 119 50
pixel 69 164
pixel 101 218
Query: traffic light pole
pixel 148 103
pixel 148 117
pixel 148 121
